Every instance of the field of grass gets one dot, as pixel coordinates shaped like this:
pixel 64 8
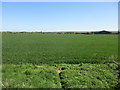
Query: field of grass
pixel 34 60
pixel 60 76
pixel 38 48
pixel 29 76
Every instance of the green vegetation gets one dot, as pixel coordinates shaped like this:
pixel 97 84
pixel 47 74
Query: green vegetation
pixel 38 48
pixel 89 76
pixel 29 76
pixel 35 60
pixel 69 75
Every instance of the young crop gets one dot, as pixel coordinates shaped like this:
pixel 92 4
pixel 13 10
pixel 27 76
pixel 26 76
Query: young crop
pixel 38 48
pixel 59 60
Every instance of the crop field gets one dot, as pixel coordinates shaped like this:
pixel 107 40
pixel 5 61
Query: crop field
pixel 38 48
pixel 35 60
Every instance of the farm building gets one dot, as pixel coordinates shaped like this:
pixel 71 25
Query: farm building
pixel 102 32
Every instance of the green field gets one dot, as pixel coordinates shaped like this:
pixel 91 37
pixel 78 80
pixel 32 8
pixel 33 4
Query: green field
pixel 38 48
pixel 35 60
pixel 60 76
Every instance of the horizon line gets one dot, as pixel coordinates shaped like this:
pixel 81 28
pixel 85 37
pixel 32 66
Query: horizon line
pixel 62 31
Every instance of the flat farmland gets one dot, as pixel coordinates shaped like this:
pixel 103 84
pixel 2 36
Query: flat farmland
pixel 38 48
pixel 35 60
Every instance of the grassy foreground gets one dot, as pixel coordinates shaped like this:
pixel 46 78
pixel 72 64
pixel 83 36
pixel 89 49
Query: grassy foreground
pixel 60 76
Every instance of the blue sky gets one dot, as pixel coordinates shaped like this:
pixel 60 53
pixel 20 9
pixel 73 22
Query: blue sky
pixel 60 16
